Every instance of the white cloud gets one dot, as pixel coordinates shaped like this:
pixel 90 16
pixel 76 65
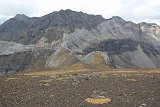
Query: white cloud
pixel 12 7
pixel 103 7
pixel 134 10
pixel 144 10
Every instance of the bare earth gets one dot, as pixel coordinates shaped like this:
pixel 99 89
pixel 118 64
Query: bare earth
pixel 81 88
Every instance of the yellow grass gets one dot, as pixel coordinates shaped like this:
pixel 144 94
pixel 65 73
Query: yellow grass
pixel 98 100
pixel 35 76
pixel 8 79
pixel 132 70
pixel 60 79
pixel 100 61
pixel 51 73
pixel 77 68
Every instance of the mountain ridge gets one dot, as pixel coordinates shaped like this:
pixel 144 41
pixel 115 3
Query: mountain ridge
pixel 36 27
pixel 123 43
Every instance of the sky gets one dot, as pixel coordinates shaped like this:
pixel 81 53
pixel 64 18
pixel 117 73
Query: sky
pixel 130 10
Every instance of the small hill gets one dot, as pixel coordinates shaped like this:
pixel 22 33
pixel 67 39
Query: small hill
pixel 98 59
pixel 61 59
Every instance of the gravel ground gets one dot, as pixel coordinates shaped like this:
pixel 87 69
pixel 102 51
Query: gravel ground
pixel 132 89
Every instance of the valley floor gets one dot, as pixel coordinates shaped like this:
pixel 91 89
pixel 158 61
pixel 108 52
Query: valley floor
pixel 81 88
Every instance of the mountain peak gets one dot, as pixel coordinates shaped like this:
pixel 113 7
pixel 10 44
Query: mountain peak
pixel 116 18
pixel 21 17
pixel 67 10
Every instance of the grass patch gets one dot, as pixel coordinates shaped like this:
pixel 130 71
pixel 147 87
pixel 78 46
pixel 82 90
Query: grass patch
pixel 8 79
pixel 51 73
pixel 98 100
pixel 60 79
pixel 35 76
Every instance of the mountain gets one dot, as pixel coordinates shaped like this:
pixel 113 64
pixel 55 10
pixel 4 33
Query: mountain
pixel 25 30
pixel 67 38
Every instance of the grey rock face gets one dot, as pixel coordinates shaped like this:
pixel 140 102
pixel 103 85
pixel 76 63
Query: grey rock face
pixel 7 48
pixel 136 58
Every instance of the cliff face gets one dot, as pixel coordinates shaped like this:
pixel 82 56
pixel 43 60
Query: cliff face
pixel 67 37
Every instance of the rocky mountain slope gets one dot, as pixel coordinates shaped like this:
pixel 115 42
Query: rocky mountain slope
pixel 66 38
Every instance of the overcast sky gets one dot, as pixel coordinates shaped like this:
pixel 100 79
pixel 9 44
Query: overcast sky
pixel 132 10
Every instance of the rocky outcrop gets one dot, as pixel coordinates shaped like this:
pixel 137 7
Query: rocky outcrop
pixel 7 48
